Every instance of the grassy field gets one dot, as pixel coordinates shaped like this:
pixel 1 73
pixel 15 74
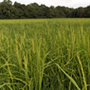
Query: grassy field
pixel 45 54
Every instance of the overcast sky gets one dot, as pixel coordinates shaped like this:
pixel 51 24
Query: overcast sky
pixel 67 3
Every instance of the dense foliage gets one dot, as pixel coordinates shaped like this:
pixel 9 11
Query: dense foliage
pixel 33 10
pixel 45 54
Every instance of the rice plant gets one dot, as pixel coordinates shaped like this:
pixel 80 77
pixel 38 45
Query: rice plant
pixel 45 54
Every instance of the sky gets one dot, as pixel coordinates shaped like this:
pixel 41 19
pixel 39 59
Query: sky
pixel 67 3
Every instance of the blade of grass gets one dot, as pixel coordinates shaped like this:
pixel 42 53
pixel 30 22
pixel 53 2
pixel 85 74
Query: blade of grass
pixel 71 79
pixel 84 80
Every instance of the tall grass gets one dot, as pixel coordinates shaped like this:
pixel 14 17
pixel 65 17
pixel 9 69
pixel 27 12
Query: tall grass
pixel 45 54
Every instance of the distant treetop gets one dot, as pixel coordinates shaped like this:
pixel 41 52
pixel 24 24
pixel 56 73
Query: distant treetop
pixel 33 10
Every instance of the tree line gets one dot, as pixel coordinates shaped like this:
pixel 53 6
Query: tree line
pixel 33 10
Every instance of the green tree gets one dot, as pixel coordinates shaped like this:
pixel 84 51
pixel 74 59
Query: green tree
pixel 87 12
pixel 33 10
pixel 8 1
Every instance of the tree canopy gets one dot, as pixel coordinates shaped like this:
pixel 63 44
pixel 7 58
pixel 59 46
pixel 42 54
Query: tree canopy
pixel 33 10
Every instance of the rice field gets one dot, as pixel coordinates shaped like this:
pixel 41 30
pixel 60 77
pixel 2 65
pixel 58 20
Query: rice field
pixel 45 54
